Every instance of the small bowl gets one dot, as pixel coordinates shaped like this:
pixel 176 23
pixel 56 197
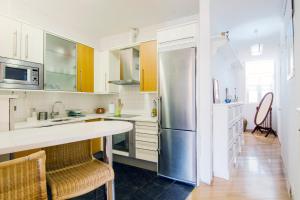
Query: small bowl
pixel 100 110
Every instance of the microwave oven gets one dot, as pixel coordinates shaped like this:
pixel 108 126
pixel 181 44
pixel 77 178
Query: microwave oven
pixel 17 74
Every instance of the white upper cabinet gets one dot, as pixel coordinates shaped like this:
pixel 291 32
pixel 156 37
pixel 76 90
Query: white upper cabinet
pixel 32 44
pixel 99 73
pixel 179 34
pixel 106 68
pixel 20 41
pixel 10 38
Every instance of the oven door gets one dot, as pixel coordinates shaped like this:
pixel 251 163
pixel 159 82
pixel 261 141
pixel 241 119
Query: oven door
pixel 124 144
pixel 121 144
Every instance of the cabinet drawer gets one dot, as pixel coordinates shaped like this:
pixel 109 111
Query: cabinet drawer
pixel 146 155
pixel 146 145
pixel 146 131
pixel 147 124
pixel 146 137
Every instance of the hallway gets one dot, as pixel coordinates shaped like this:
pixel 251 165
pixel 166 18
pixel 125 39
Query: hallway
pixel 259 175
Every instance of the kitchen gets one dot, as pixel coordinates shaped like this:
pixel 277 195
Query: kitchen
pixel 148 99
pixel 53 78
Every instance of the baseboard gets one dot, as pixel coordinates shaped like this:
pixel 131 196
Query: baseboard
pixel 135 162
pixel 289 187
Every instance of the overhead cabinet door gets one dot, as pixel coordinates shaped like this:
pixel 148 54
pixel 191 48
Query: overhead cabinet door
pixel 10 38
pixel 21 41
pixel 148 65
pixel 85 68
pixel 32 44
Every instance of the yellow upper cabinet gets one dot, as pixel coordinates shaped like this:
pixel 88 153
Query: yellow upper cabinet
pixel 85 68
pixel 148 66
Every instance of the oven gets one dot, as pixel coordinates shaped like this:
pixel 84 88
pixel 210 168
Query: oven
pixel 17 74
pixel 124 143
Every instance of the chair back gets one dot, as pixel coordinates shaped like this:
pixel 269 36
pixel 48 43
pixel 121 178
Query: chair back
pixel 66 155
pixel 24 178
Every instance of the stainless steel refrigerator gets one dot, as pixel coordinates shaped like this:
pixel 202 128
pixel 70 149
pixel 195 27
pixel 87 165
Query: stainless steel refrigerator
pixel 177 114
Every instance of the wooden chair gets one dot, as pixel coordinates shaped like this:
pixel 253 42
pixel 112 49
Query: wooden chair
pixel 73 171
pixel 24 178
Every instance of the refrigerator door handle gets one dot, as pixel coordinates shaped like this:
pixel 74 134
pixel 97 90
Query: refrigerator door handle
pixel 159 111
pixel 159 143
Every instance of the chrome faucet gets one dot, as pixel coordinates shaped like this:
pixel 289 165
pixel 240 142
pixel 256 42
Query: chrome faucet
pixel 54 114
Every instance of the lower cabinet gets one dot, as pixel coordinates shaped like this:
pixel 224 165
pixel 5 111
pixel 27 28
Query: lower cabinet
pixel 227 138
pixel 146 141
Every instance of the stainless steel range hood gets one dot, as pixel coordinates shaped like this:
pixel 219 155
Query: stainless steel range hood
pixel 129 68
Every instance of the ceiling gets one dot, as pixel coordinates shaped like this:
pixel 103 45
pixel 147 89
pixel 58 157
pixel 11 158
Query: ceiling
pixel 99 18
pixel 242 17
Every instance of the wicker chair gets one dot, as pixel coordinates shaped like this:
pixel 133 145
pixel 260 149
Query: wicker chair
pixel 73 171
pixel 24 178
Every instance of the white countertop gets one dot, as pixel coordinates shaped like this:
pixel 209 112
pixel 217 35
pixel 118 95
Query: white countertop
pixel 8 96
pixel 26 139
pixel 229 104
pixel 36 124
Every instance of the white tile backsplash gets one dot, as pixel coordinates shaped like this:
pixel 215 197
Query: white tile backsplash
pixel 134 101
pixel 43 101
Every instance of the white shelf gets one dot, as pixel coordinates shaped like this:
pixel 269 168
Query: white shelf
pixel 227 137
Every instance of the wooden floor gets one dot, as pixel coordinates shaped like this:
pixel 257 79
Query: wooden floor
pixel 259 175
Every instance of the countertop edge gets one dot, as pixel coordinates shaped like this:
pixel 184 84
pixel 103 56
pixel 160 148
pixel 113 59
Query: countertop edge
pixel 39 124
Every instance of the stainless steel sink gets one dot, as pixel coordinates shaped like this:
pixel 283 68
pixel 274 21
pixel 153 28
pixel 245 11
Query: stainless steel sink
pixel 61 120
pixel 123 116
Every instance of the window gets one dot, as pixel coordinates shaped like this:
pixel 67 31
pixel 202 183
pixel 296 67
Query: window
pixel 259 79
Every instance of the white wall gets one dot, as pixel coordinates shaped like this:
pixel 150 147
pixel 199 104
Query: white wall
pixel 226 73
pixel 289 118
pixel 204 95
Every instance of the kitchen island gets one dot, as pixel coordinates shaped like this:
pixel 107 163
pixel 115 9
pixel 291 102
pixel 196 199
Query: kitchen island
pixel 33 138
pixel 26 139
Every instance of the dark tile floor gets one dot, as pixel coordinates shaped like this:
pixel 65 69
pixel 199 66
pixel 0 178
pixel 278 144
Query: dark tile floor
pixel 133 183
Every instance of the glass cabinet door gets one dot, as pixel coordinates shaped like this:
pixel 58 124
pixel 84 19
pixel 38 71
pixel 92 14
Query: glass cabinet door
pixel 59 64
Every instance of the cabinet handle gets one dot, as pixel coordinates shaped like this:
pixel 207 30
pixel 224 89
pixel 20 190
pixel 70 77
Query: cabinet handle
pixel 80 80
pixel 159 109
pixel 15 34
pixel 105 81
pixel 143 81
pixel 26 46
pixel 159 143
